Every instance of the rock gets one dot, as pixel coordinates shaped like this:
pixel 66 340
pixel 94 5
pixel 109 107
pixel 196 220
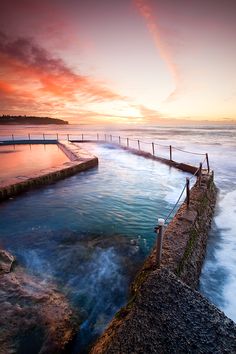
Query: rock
pixel 6 260
pixel 189 215
pixel 35 317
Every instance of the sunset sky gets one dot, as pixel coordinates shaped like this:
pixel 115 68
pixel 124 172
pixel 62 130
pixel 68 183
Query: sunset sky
pixel 141 61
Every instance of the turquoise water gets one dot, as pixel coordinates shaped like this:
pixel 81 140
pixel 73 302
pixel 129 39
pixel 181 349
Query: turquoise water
pixel 89 233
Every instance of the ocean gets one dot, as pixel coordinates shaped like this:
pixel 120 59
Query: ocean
pixel 218 278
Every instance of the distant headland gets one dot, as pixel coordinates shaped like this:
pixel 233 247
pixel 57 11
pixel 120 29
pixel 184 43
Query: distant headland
pixel 7 119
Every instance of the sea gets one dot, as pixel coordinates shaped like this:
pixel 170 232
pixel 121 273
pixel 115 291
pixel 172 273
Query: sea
pixel 189 144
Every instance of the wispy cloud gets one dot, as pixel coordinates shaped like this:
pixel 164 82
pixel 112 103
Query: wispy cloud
pixel 150 115
pixel 154 28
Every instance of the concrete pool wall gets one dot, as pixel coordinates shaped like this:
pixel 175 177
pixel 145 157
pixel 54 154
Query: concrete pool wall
pixel 80 160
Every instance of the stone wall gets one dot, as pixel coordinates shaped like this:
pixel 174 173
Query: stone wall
pixel 179 165
pixel 185 238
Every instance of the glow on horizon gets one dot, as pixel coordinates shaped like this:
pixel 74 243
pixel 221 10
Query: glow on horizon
pixel 137 61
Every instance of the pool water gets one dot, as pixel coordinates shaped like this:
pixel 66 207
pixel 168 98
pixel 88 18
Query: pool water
pixel 22 160
pixel 91 232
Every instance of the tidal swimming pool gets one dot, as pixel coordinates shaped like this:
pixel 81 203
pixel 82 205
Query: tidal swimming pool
pixel 22 160
pixel 91 232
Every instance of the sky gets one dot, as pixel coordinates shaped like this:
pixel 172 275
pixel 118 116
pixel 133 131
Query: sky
pixel 126 61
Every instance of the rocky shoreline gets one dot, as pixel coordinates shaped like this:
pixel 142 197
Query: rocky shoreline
pixel 35 316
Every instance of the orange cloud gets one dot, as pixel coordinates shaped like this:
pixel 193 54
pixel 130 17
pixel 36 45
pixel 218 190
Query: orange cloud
pixel 155 31
pixel 34 81
pixel 35 75
pixel 6 88
pixel 150 115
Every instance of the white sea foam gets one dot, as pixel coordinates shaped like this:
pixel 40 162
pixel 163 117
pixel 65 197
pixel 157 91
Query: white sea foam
pixel 225 255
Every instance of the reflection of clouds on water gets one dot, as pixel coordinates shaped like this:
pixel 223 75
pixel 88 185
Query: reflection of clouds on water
pixel 8 151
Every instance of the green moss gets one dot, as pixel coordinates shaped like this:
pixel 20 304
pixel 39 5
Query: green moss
pixel 142 276
pixel 123 312
pixel 203 205
pixel 193 234
pixel 135 287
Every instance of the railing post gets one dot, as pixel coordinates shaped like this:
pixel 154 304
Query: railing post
pixel 159 241
pixel 127 142
pixel 68 137
pixel 43 136
pixel 153 150
pixel 208 165
pixel 105 137
pixel 170 153
pixel 82 136
pixel 13 137
pixel 110 137
pixel 200 174
pixel 97 136
pixel 138 144
pixel 119 140
pixel 29 136
pixel 187 192
pixel 57 136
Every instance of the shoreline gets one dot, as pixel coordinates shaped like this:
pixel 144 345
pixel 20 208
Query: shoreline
pixel 32 120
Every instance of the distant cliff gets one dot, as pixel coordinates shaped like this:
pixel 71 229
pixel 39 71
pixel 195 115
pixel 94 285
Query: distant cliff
pixel 7 119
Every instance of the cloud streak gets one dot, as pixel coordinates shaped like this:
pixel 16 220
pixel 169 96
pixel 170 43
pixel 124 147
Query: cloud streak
pixel 154 29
